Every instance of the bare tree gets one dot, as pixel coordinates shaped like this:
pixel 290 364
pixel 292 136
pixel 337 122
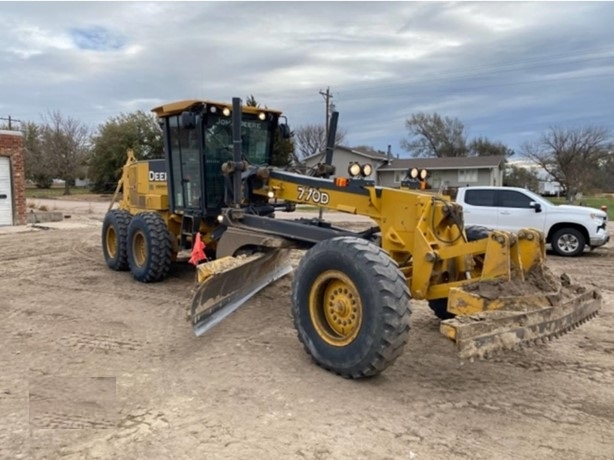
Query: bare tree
pixel 571 156
pixel 65 143
pixel 311 139
pixel 434 136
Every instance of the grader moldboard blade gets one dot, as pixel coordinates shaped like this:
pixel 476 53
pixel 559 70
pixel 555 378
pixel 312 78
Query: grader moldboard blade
pixel 227 283
pixel 517 313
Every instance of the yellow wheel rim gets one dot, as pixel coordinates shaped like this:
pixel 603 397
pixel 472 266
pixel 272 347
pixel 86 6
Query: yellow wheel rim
pixel 111 241
pixel 139 248
pixel 335 308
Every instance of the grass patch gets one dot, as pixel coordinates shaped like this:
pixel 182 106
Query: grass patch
pixel 54 192
pixel 591 201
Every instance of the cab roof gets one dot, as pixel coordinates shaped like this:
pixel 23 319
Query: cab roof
pixel 173 108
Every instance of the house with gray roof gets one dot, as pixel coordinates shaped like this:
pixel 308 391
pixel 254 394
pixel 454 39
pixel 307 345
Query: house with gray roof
pixel 344 156
pixel 389 171
pixel 447 172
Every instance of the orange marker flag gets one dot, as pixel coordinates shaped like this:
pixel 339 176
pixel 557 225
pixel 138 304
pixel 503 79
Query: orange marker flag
pixel 198 251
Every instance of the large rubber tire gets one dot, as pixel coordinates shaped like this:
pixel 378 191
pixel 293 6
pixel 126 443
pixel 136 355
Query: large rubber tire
pixel 350 304
pixel 149 247
pixel 115 239
pixel 440 306
pixel 568 242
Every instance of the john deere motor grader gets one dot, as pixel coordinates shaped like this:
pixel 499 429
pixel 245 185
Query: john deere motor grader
pixel 351 290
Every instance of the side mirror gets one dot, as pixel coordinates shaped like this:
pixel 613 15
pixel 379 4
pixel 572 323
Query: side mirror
pixel 535 205
pixel 284 131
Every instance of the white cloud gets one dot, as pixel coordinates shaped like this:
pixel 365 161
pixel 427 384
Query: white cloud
pixel 503 68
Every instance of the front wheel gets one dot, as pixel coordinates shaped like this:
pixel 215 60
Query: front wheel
pixel 568 242
pixel 350 304
pixel 149 247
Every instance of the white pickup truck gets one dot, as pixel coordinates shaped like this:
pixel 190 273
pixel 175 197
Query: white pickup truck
pixel 568 229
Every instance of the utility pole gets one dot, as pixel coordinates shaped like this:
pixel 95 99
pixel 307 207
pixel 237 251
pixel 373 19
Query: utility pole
pixel 327 97
pixel 10 120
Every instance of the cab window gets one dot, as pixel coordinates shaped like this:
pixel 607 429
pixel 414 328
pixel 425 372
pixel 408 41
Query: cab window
pixel 480 197
pixel 514 199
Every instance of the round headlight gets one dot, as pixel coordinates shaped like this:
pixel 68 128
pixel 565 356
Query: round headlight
pixel 226 111
pixel 354 169
pixel 423 174
pixel 414 173
pixel 262 116
pixel 213 109
pixel 367 169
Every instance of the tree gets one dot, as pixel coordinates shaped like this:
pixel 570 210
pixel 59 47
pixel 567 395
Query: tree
pixel 138 131
pixel 251 101
pixel 482 147
pixel 311 139
pixel 65 146
pixel 605 177
pixel 283 149
pixel 571 156
pixel 434 136
pixel 516 176
pixel 37 165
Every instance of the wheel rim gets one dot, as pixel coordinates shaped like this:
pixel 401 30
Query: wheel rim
pixel 568 243
pixel 139 248
pixel 111 242
pixel 335 308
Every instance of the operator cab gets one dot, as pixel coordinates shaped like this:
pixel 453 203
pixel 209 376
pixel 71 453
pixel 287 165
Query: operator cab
pixel 198 140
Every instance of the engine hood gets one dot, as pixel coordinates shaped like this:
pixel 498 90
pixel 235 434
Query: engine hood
pixel 585 210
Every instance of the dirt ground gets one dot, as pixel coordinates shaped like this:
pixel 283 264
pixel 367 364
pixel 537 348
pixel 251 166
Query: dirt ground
pixel 96 365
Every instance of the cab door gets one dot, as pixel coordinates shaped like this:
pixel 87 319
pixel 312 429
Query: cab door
pixel 515 211
pixel 6 201
pixel 480 207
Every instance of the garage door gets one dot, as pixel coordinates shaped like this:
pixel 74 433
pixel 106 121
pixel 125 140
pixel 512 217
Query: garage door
pixel 6 202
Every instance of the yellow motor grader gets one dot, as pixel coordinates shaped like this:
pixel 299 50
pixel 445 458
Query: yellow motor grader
pixel 215 196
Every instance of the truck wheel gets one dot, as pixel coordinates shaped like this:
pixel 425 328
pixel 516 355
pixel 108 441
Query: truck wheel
pixel 115 239
pixel 149 247
pixel 568 242
pixel 350 304
pixel 440 306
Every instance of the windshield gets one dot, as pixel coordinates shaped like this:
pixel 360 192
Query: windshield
pixel 255 139
pixel 255 147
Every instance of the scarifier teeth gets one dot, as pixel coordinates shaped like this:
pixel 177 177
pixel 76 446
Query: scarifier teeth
pixel 489 335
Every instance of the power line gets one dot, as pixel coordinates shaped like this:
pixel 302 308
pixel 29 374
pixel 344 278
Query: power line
pixel 10 120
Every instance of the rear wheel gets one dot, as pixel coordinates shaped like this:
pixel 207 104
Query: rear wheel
pixel 350 305
pixel 568 242
pixel 115 239
pixel 149 247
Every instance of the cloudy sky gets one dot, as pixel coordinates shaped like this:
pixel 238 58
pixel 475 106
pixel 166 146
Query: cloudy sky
pixel 507 70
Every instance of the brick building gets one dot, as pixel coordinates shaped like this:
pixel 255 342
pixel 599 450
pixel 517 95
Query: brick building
pixel 12 179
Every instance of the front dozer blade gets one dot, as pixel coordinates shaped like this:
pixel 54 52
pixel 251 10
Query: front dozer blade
pixel 537 310
pixel 227 283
